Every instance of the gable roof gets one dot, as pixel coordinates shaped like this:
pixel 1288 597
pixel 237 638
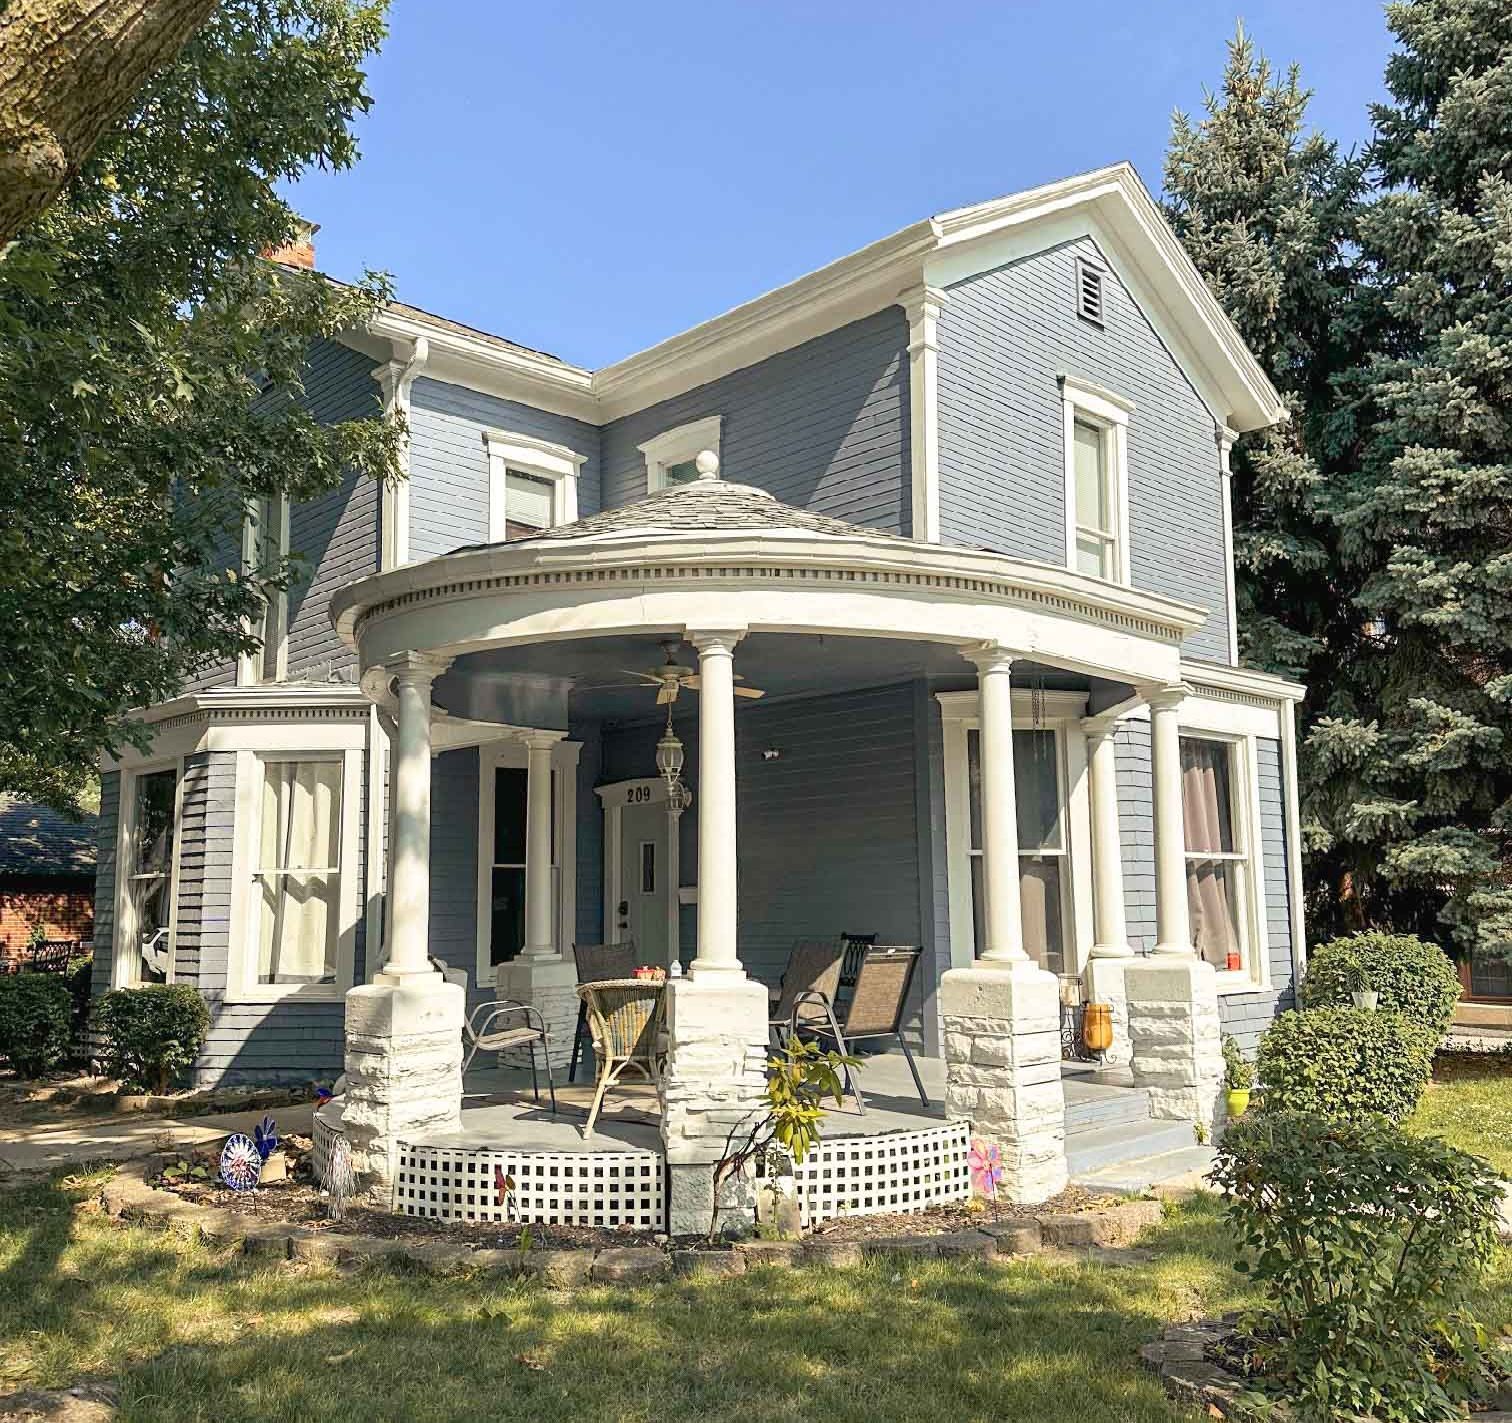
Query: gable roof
pixel 1112 204
pixel 37 840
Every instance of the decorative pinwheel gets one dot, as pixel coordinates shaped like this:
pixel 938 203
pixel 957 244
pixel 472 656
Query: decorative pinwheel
pixel 322 1095
pixel 264 1138
pixel 986 1163
pixel 240 1162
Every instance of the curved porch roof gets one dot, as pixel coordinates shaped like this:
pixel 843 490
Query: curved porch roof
pixel 715 554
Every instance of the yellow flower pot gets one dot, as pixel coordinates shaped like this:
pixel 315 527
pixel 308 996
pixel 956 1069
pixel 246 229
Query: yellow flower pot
pixel 1238 1101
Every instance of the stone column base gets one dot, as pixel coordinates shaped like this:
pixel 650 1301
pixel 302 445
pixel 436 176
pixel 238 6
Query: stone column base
pixel 549 985
pixel 713 1087
pixel 1003 1070
pixel 403 1072
pixel 1105 984
pixel 1178 1046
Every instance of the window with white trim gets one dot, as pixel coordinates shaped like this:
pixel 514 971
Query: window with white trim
pixel 1044 881
pixel 1219 865
pixel 506 925
pixel 265 547
pixel 671 456
pixel 1097 497
pixel 145 934
pixel 532 485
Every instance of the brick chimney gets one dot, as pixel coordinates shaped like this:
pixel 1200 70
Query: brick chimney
pixel 300 250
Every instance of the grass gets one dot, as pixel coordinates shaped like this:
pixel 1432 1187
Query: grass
pixel 1469 1104
pixel 193 1334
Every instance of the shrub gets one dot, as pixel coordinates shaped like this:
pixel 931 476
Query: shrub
pixel 1238 1070
pixel 80 980
pixel 34 1031
pixel 1345 1062
pixel 1413 978
pixel 151 1034
pixel 1367 1243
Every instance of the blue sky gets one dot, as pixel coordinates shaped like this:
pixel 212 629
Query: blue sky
pixel 590 178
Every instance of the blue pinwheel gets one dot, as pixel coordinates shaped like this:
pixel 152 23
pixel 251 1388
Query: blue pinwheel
pixel 265 1138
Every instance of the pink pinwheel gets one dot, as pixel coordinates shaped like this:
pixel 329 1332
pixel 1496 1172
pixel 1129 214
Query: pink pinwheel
pixel 986 1163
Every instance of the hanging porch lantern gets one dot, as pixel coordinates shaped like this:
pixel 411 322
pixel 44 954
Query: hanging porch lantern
pixel 669 756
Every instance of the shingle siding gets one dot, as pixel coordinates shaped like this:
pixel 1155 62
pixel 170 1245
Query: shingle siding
pixel 448 486
pixel 337 534
pixel 1003 337
pixel 823 426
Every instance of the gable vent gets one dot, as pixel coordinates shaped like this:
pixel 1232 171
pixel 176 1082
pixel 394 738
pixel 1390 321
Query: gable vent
pixel 1089 293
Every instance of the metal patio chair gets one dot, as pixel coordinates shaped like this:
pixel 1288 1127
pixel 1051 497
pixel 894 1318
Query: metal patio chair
pixel 507 1023
pixel 596 963
pixel 625 1017
pixel 875 1010
pixel 812 967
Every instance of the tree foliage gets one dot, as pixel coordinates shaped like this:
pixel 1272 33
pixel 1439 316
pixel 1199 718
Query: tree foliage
pixel 150 372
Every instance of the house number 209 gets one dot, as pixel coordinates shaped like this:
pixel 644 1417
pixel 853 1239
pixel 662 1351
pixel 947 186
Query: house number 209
pixel 635 794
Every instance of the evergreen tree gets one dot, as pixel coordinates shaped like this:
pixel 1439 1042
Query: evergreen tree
pixel 1267 211
pixel 1415 765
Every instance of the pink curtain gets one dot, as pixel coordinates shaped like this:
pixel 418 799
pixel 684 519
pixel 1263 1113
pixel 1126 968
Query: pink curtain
pixel 1207 809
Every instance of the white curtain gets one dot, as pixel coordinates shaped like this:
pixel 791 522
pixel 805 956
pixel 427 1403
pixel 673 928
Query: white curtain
pixel 300 864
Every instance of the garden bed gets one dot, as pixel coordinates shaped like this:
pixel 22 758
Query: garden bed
pixel 29 1101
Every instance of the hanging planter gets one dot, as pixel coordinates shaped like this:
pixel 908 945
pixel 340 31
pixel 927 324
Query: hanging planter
pixel 1366 998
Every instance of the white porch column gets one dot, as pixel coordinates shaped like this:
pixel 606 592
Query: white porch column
pixel 409 881
pixel 1110 950
pixel 1173 929
pixel 404 1030
pixel 714 1082
pixel 1004 918
pixel 718 950
pixel 1001 1016
pixel 540 935
pixel 1173 997
pixel 541 976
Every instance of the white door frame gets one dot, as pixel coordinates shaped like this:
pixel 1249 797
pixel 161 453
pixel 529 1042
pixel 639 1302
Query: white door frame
pixel 642 790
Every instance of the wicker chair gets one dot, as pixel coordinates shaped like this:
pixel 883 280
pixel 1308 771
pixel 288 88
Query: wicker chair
pixel 625 1018
pixel 875 1009
pixel 813 968
pixel 595 964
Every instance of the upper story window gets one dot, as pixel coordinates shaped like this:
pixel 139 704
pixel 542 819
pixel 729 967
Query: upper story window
pixel 670 456
pixel 265 545
pixel 532 485
pixel 1097 487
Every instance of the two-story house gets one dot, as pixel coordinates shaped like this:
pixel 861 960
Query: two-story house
pixel 984 459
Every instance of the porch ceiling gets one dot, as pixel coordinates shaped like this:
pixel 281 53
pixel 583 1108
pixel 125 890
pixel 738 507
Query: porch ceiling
pixel 585 679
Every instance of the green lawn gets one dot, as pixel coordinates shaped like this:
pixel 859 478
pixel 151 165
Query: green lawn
pixel 1469 1104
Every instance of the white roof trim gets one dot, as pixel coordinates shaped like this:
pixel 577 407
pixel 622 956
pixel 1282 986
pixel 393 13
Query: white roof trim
pixel 1113 202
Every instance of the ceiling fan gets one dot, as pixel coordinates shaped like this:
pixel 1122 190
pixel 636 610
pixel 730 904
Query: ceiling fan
pixel 672 676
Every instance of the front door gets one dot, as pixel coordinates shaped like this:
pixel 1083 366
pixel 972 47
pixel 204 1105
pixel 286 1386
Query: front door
pixel 644 872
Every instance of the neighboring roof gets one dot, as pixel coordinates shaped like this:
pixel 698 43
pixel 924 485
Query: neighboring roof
pixel 938 251
pixel 37 840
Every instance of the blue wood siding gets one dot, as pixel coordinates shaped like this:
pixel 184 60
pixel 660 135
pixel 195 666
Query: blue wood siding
pixel 1004 335
pixel 449 464
pixel 454 863
pixel 1136 829
pixel 337 534
pixel 105 880
pixel 823 426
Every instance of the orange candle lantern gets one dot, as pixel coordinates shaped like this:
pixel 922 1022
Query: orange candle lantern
pixel 1097 1027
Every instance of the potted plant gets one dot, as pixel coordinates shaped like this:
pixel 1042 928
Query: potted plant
pixel 1238 1078
pixel 1360 991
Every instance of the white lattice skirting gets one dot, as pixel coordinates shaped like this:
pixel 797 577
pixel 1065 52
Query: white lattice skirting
pixel 901 1171
pixel 610 1189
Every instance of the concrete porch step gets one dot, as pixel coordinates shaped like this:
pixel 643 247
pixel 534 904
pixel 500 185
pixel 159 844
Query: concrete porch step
pixel 1091 1110
pixel 1088 1151
pixel 1184 1166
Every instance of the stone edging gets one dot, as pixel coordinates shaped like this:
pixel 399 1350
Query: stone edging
pixel 1189 1376
pixel 130 1196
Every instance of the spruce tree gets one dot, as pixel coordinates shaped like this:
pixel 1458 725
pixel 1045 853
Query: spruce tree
pixel 1415 766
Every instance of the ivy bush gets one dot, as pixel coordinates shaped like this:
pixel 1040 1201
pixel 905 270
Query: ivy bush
pixel 1345 1062
pixel 151 1034
pixel 1412 977
pixel 1367 1244
pixel 34 1021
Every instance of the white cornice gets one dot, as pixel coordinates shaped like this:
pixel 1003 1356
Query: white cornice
pixel 1242 682
pixel 939 249
pixel 279 698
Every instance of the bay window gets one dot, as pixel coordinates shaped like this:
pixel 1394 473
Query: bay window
pixel 299 872
pixel 149 825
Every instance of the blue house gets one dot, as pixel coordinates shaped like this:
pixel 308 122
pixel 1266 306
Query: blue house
pixel 956 506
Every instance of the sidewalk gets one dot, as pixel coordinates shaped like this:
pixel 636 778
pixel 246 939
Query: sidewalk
pixel 44 1147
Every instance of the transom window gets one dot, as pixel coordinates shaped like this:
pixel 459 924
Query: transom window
pixel 1218 866
pixel 149 877
pixel 1043 880
pixel 671 457
pixel 1097 501
pixel 298 874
